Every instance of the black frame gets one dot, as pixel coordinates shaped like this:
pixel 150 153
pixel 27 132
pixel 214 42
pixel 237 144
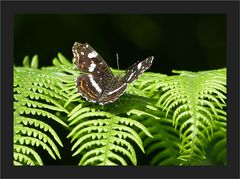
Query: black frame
pixel 230 8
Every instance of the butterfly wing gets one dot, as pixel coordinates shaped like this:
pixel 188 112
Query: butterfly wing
pixel 89 61
pixel 113 90
pixel 117 86
pixel 137 69
pixel 90 87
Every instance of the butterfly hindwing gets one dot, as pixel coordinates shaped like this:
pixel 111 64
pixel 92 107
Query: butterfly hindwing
pixel 113 91
pixel 90 87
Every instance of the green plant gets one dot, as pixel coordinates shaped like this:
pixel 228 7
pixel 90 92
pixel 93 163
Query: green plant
pixel 171 120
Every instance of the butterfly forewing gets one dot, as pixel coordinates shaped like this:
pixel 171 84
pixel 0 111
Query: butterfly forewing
pixel 137 69
pixel 89 61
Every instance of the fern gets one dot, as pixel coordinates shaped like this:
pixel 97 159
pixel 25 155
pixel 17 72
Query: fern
pixel 106 138
pixel 103 136
pixel 38 96
pixel 106 135
pixel 163 148
pixel 195 101
pixel 217 146
pixel 172 120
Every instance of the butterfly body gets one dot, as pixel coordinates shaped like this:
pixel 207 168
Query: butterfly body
pixel 98 83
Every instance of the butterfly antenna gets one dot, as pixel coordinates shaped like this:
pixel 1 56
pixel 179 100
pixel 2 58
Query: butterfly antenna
pixel 117 60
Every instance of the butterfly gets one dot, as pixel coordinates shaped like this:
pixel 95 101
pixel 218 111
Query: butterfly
pixel 97 83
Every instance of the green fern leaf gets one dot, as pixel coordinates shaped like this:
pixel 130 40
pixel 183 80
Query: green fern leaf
pixel 36 123
pixel 194 99
pixel 38 94
pixel 177 119
pixel 165 144
pixel 101 137
pixel 27 151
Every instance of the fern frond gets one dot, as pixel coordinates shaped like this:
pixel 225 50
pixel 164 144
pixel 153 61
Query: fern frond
pixel 25 110
pixel 27 152
pixel 163 148
pixel 144 85
pixel 37 123
pixel 173 118
pixel 23 158
pixel 103 138
pixel 38 96
pixel 36 142
pixel 219 150
pixel 34 62
pixel 194 98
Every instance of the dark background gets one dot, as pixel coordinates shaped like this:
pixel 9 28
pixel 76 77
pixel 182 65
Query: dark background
pixel 191 42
